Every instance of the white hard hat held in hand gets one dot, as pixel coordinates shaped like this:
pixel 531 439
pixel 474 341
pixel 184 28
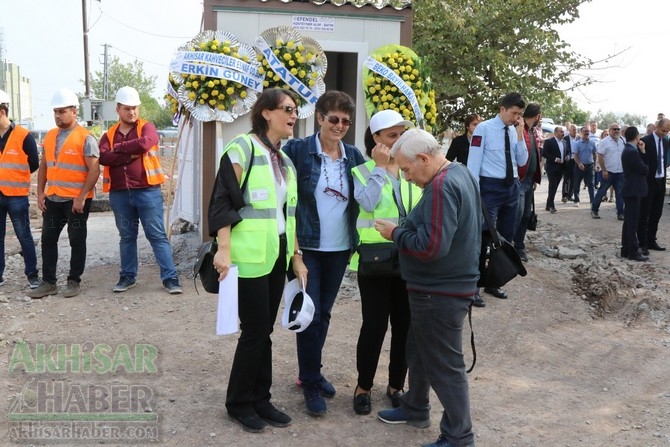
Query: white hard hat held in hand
pixel 128 96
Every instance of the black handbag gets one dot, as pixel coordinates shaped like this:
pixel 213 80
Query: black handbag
pixel 378 259
pixel 204 262
pixel 499 261
pixel 532 219
pixel 204 267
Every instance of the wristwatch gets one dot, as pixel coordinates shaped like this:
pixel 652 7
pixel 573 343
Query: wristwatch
pixel 297 252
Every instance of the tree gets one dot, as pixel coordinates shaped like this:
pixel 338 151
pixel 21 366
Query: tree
pixel 604 119
pixel 478 50
pixel 132 74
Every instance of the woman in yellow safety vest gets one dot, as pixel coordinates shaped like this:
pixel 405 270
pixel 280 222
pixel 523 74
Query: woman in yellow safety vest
pixel 382 193
pixel 252 214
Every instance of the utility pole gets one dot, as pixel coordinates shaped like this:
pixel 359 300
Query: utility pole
pixel 87 81
pixel 105 87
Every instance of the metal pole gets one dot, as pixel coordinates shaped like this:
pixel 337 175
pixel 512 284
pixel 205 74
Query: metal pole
pixel 87 81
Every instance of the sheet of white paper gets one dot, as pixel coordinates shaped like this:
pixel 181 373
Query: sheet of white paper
pixel 227 321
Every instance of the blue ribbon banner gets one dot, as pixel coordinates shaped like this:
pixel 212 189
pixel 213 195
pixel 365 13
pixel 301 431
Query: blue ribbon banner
pixel 203 63
pixel 284 73
pixel 396 80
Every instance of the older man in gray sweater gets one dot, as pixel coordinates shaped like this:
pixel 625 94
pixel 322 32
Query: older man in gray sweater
pixel 439 246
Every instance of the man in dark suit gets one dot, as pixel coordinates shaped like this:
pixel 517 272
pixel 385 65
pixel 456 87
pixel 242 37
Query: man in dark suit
pixel 634 189
pixel 651 207
pixel 556 152
pixel 569 166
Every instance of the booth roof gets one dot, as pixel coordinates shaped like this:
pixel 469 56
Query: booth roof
pixel 397 4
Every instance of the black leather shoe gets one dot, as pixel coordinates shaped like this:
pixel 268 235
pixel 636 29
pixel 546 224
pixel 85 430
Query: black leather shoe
pixel 644 251
pixel 498 293
pixel 272 416
pixel 654 246
pixel 478 302
pixel 249 422
pixel 362 403
pixel 639 258
pixel 394 396
pixel 552 210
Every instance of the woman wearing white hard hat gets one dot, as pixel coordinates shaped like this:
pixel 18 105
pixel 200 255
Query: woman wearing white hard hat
pixel 382 193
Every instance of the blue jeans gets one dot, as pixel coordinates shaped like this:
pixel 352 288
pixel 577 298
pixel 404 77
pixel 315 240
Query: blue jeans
pixel 17 208
pixel 526 196
pixel 326 270
pixel 435 359
pixel 131 207
pixel 587 176
pixel 613 179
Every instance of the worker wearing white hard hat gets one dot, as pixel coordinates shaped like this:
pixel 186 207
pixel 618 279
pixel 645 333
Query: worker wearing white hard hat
pixel 18 159
pixel 132 175
pixel 66 182
pixel 381 193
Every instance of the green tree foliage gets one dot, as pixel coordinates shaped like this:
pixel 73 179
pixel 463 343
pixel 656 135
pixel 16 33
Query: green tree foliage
pixel 478 50
pixel 604 119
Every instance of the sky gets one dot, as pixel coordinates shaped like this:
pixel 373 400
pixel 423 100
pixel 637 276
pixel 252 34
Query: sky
pixel 45 38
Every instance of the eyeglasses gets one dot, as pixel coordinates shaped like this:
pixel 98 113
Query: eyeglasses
pixel 615 129
pixel 335 193
pixel 290 110
pixel 335 120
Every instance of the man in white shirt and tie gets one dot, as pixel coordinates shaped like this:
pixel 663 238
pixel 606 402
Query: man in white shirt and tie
pixel 651 207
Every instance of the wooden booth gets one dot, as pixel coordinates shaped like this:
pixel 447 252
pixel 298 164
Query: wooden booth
pixel 347 31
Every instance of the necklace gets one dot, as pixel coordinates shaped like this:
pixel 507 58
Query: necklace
pixel 331 191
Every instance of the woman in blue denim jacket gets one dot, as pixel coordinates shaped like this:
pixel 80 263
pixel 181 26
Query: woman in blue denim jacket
pixel 326 228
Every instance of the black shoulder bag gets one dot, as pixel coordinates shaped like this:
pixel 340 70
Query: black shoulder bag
pixel 499 261
pixel 204 262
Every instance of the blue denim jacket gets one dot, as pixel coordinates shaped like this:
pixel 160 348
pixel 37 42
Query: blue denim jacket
pixel 307 161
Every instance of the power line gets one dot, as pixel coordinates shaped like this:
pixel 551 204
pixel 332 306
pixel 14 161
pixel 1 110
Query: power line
pixel 140 30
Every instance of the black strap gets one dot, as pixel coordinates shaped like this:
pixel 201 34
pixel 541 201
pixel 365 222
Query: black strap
pixel 489 223
pixel 472 342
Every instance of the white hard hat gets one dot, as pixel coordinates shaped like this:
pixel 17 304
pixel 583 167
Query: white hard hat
pixel 64 98
pixel 298 307
pixel 387 118
pixel 4 97
pixel 128 96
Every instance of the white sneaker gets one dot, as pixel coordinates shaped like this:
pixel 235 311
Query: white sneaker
pixel 576 204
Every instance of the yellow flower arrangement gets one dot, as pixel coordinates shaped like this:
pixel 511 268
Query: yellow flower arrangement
pixel 302 57
pixel 382 94
pixel 171 97
pixel 204 89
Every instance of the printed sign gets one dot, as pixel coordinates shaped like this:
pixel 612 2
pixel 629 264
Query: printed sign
pixel 312 23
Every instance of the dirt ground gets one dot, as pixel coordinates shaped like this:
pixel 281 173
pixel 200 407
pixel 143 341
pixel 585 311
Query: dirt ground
pixel 579 355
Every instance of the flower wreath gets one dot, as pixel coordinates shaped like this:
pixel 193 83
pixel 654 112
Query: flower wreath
pixel 395 77
pixel 218 76
pixel 289 60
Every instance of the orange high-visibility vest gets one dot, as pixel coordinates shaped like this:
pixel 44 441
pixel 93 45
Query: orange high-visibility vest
pixel 150 160
pixel 66 174
pixel 14 167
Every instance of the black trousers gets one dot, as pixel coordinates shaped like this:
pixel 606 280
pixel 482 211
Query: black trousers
pixel 54 219
pixel 554 178
pixel 651 209
pixel 382 299
pixel 251 374
pixel 567 179
pixel 631 214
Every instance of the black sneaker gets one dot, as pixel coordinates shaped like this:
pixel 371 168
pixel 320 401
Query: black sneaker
pixel 172 286
pixel 124 284
pixel 272 416
pixel 33 281
pixel 250 422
